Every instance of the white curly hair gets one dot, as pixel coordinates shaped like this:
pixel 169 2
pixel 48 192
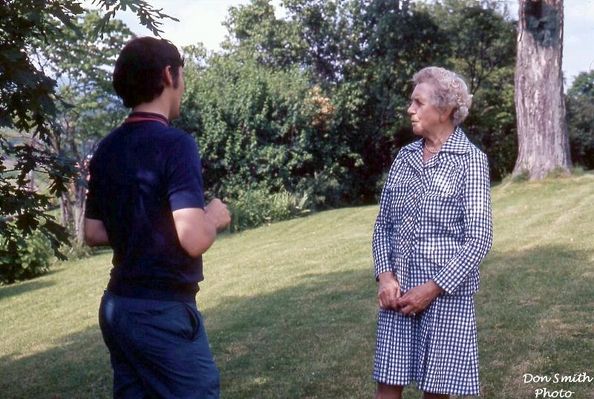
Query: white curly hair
pixel 449 90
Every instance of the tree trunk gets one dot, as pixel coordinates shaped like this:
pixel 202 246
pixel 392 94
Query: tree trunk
pixel 66 210
pixel 543 144
pixel 79 212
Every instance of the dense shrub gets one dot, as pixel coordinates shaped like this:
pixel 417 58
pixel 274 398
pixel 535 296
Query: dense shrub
pixel 264 130
pixel 32 258
pixel 257 207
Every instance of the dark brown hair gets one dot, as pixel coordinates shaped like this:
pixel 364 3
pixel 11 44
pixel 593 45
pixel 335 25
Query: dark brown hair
pixel 138 73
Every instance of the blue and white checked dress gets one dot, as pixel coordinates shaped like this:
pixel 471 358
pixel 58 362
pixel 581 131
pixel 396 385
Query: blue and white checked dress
pixel 434 223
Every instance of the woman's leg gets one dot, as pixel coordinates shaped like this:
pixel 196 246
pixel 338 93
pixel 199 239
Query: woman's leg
pixel 388 391
pixel 428 395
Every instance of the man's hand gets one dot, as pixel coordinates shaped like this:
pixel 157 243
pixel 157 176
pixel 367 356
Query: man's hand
pixel 218 214
pixel 95 233
pixel 388 291
pixel 417 299
pixel 197 228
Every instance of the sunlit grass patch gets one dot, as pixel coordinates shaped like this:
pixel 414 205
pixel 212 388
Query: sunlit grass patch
pixel 290 308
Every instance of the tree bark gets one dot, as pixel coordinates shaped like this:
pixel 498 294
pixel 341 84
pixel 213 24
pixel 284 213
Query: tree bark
pixel 79 212
pixel 543 144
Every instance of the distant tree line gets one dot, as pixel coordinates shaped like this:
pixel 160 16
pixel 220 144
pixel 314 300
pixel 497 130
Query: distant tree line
pixel 312 106
pixel 294 114
pixel 315 103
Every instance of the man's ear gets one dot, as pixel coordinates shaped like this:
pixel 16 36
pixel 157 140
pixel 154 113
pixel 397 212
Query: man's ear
pixel 168 76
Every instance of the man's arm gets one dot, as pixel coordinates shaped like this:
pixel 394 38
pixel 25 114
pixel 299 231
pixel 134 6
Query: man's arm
pixel 197 228
pixel 95 233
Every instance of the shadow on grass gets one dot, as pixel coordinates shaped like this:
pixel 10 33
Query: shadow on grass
pixel 78 367
pixel 315 339
pixel 101 251
pixel 9 291
pixel 536 309
pixel 312 340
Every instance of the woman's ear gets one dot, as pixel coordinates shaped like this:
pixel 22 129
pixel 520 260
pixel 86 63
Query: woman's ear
pixel 446 114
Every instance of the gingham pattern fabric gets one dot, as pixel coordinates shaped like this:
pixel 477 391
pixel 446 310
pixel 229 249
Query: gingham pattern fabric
pixel 434 223
pixel 435 218
pixel 437 349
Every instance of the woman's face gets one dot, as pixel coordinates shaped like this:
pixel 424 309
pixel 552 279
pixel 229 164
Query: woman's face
pixel 426 119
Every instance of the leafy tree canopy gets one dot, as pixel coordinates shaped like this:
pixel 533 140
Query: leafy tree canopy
pixel 29 104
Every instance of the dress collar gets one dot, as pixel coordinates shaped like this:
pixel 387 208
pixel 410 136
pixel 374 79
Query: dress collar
pixel 457 143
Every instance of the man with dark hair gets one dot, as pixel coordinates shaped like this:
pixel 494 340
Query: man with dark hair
pixel 146 201
pixel 137 77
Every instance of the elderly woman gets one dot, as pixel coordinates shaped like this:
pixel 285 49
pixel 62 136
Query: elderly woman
pixel 433 229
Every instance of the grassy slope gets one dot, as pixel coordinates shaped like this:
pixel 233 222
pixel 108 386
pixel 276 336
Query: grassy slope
pixel 290 308
pixel 537 302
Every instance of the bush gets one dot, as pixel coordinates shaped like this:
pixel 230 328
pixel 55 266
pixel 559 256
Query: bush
pixel 580 108
pixel 259 127
pixel 256 207
pixel 32 258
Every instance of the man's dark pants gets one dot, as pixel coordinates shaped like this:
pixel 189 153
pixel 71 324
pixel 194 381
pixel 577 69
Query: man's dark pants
pixel 159 349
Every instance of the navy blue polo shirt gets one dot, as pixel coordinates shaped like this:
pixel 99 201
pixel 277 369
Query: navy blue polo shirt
pixel 140 173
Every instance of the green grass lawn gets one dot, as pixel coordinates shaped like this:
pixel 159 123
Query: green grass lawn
pixel 290 308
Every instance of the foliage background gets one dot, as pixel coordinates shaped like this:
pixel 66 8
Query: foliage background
pixel 293 115
pixel 30 108
pixel 314 104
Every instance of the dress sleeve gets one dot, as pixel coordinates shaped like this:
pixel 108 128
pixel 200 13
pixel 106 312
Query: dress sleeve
pixel 382 241
pixel 184 175
pixel 478 226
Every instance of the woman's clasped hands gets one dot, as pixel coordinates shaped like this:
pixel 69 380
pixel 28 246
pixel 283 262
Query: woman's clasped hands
pixel 412 302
